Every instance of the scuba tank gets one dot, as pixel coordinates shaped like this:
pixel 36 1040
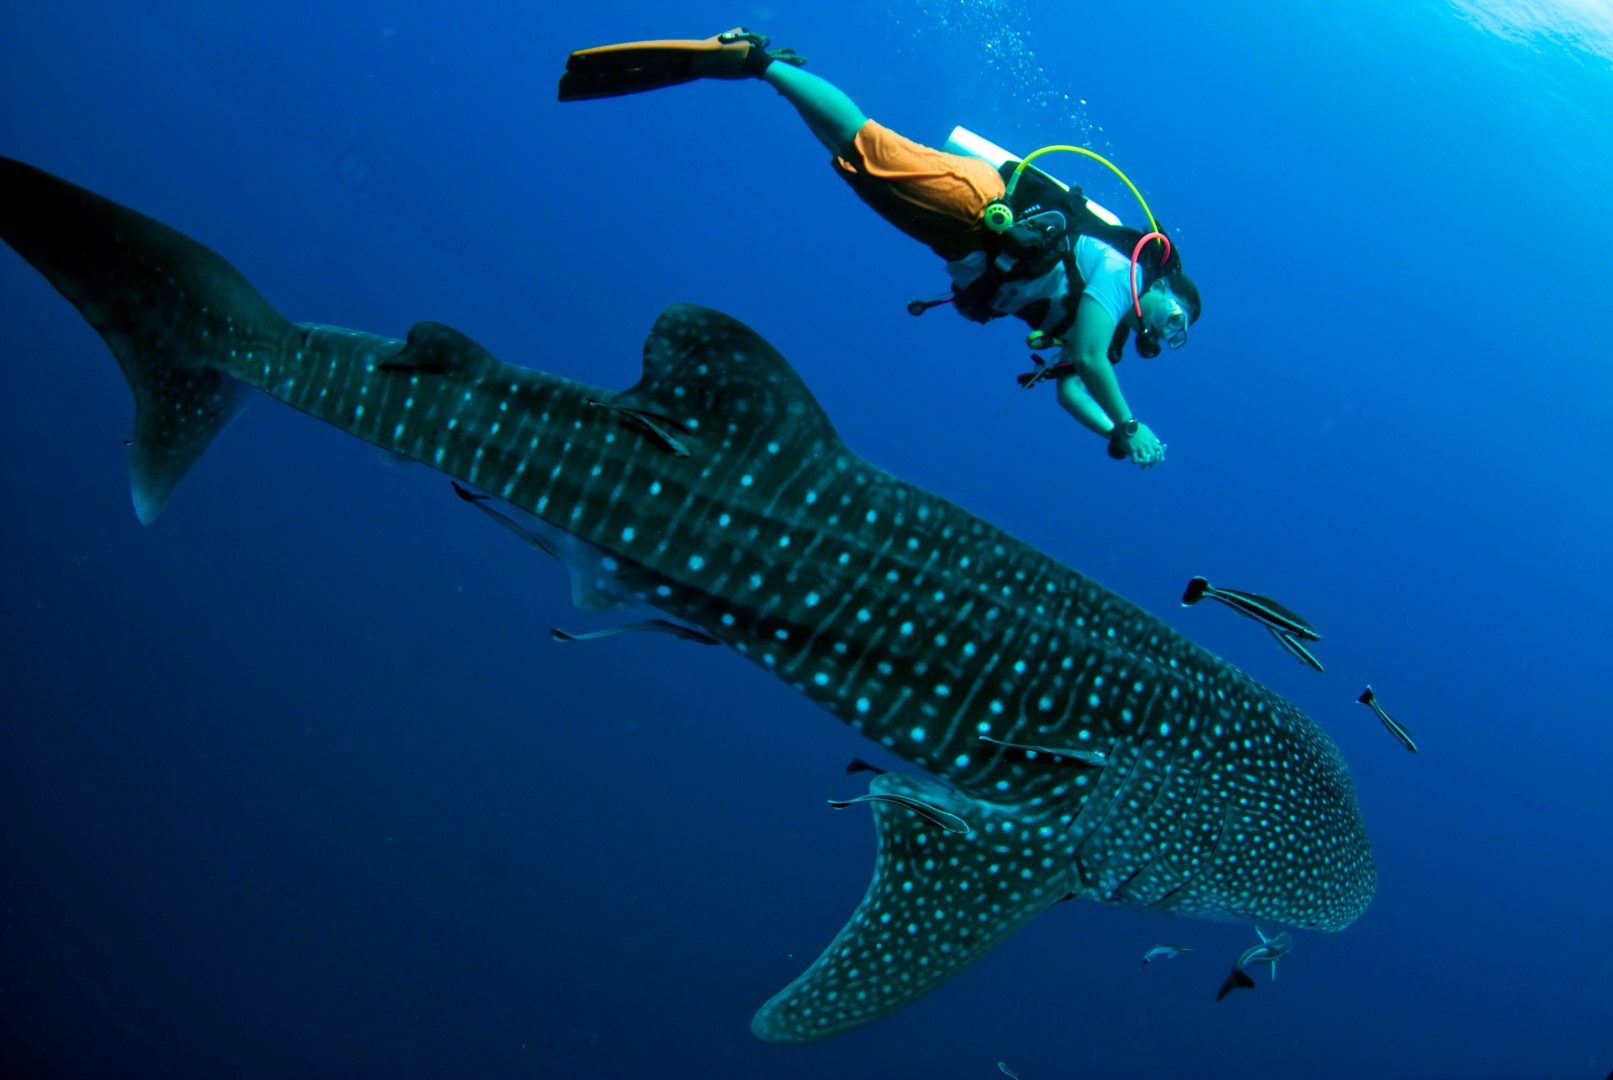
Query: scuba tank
pixel 1033 227
pixel 967 143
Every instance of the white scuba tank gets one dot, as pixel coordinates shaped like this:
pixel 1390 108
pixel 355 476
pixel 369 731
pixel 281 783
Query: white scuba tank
pixel 963 141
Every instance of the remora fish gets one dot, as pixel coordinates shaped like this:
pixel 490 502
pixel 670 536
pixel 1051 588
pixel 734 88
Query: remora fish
pixel 1370 699
pixel 1269 951
pixel 647 626
pixel 1296 649
pixel 1164 951
pixel 1262 609
pixel 1084 754
pixel 914 621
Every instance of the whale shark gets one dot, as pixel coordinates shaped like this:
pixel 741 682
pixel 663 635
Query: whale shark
pixel 1063 742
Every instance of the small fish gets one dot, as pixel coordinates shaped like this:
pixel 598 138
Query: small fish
pixel 857 765
pixel 656 427
pixel 1010 1073
pixel 934 815
pixel 1269 951
pixel 1164 951
pixel 1262 609
pixel 656 626
pixel 1369 698
pixel 1295 649
pixel 1095 758
pixel 504 520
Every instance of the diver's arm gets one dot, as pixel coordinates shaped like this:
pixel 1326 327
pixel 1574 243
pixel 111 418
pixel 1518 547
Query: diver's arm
pixel 1079 404
pixel 1089 352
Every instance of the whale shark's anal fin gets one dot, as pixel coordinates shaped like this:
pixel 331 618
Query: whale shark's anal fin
pixel 173 312
pixel 938 902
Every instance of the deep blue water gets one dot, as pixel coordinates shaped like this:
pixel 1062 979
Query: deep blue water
pixel 294 782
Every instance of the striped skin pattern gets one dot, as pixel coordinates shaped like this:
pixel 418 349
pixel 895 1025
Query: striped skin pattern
pixel 912 620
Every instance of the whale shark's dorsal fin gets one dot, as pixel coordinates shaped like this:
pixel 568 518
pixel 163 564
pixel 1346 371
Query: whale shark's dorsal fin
pixel 716 378
pixel 435 349
pixel 938 902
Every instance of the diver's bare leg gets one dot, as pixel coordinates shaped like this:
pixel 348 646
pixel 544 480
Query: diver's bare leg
pixel 833 117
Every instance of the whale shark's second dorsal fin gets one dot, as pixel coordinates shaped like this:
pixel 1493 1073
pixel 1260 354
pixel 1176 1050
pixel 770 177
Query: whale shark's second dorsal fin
pixel 718 380
pixel 938 902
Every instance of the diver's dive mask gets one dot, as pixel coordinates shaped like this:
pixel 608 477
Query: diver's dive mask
pixel 1167 321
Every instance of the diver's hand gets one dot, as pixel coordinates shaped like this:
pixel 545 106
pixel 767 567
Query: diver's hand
pixel 1145 448
pixel 1142 449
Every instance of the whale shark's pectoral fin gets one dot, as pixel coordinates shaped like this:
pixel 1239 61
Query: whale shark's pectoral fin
pixel 939 901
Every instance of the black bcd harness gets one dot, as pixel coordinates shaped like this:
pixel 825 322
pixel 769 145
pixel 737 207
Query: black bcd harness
pixel 1047 223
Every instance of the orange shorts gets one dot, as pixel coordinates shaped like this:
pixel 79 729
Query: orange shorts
pixel 931 195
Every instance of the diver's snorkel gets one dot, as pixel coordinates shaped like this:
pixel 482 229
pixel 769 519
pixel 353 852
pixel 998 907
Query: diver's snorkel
pixel 1136 301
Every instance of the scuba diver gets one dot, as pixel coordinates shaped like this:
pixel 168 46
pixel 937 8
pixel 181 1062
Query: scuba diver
pixel 1016 241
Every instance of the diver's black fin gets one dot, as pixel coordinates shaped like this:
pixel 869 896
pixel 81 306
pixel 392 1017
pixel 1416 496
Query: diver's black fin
pixel 636 66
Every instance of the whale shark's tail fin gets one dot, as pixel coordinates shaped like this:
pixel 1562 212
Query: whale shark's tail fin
pixel 173 312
